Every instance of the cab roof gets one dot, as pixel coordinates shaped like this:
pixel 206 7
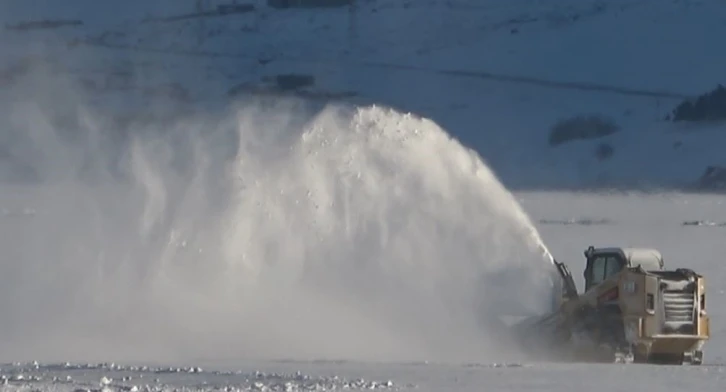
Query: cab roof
pixel 648 258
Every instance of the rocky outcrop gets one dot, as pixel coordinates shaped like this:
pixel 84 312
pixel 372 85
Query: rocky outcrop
pixel 707 107
pixel 713 178
pixel 307 3
pixel 583 127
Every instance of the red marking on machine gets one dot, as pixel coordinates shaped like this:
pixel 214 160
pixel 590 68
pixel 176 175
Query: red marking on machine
pixel 609 295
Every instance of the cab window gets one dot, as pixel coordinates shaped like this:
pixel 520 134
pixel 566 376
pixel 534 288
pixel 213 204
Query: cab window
pixel 602 268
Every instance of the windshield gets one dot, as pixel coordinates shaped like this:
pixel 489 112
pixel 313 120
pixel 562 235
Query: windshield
pixel 604 267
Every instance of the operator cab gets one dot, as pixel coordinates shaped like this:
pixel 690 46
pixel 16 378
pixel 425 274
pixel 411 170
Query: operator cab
pixel 602 263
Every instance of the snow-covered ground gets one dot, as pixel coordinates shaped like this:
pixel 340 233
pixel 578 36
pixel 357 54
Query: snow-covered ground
pixel 169 223
pixel 354 376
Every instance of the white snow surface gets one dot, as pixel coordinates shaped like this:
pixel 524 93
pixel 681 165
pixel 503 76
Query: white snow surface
pixel 204 241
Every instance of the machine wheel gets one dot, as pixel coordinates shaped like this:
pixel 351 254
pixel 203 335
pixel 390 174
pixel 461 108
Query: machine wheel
pixel 694 358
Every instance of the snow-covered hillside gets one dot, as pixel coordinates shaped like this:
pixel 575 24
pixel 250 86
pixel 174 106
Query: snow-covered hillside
pixel 496 74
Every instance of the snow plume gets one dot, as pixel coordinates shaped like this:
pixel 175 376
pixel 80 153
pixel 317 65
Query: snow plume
pixel 269 230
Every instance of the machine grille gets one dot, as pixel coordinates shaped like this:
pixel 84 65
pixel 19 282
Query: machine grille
pixel 679 306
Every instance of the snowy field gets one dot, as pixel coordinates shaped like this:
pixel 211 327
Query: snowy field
pixel 162 231
pixel 354 376
pixel 654 220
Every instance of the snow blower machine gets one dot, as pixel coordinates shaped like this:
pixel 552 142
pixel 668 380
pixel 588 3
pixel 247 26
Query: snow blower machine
pixel 631 310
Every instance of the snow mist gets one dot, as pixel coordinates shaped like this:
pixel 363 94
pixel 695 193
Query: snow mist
pixel 265 231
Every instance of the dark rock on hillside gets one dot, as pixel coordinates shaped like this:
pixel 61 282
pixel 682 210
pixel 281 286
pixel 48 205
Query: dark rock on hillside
pixel 581 127
pixel 604 151
pixel 307 3
pixel 707 107
pixel 713 178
